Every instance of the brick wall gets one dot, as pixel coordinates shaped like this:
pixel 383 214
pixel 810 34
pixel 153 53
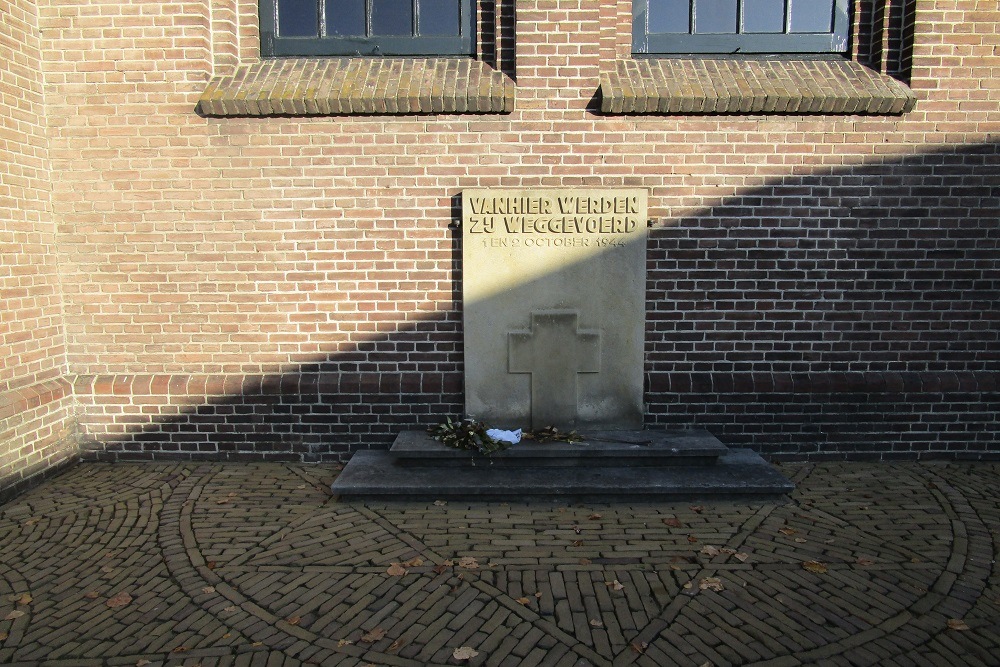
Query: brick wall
pixel 289 287
pixel 34 395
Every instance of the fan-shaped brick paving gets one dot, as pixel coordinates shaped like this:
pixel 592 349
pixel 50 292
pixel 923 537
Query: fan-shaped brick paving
pixel 255 565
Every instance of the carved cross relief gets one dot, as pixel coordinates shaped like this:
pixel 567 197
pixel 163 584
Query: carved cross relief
pixel 553 351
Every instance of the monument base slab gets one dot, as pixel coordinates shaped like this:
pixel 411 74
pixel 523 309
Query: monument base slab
pixel 419 468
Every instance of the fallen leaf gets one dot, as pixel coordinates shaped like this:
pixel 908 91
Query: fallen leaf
pixel 32 521
pixel 957 624
pixel 728 551
pixel 673 522
pixel 179 649
pixel 787 531
pixel 639 647
pixel 596 623
pixel 227 635
pixel 373 635
pixel 916 560
pixel 24 599
pixel 615 585
pixel 692 539
pixel 414 562
pixel 523 601
pixel 344 642
pixel 396 570
pixel 107 569
pixel 3 636
pixel 585 561
pixel 440 569
pixel 710 551
pixel 208 589
pixel 864 560
pixel 538 596
pixel 800 540
pixel 710 584
pixel 577 543
pixel 464 653
pixel 395 646
pixel 741 557
pixel 814 566
pixel 142 663
pixel 92 594
pixel 210 565
pixel 594 517
pixel 440 503
pixel 689 585
pixel 468 562
pixel 230 609
pixel 119 600
pixel 294 620
pixel 697 509
pixel 256 644
pixel 12 615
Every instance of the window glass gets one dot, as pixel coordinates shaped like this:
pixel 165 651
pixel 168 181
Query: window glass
pixel 392 17
pixel 345 17
pixel 712 16
pixel 298 18
pixel 439 17
pixel 763 16
pixel 669 16
pixel 811 15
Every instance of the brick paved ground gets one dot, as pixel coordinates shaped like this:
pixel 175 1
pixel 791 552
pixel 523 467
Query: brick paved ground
pixel 188 564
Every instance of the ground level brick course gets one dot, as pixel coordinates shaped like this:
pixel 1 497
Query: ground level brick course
pixel 234 564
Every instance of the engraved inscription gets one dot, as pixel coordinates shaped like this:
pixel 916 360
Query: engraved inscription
pixel 595 217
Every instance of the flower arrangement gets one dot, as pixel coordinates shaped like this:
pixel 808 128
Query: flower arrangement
pixel 472 435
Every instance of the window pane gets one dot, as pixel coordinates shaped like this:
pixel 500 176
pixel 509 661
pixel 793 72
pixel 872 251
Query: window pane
pixel 811 15
pixel 669 16
pixel 763 15
pixel 345 18
pixel 392 17
pixel 298 18
pixel 715 16
pixel 439 17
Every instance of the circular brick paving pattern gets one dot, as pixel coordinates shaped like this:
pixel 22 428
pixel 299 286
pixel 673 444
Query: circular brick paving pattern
pixel 212 564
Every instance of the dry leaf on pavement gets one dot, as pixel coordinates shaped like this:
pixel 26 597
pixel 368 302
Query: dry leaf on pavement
pixel 710 584
pixel 464 653
pixel 957 624
pixel 468 562
pixel 119 600
pixel 396 570
pixel 373 635
pixel 814 566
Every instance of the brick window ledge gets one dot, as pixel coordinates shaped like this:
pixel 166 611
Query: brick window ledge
pixel 349 86
pixel 703 86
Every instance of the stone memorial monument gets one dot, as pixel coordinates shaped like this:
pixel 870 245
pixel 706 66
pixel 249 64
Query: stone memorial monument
pixel 553 285
pixel 554 304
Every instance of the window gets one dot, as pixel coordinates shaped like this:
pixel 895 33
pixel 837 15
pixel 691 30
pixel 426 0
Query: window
pixel 366 27
pixel 739 26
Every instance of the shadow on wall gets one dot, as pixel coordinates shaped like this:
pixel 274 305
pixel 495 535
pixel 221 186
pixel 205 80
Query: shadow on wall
pixel 853 313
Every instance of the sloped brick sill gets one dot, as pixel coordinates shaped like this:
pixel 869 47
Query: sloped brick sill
pixel 730 86
pixel 334 86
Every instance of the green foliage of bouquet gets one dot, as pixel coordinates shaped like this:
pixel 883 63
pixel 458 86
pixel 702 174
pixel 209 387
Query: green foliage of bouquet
pixel 466 434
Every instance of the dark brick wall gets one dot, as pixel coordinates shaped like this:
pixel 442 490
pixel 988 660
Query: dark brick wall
pixel 851 313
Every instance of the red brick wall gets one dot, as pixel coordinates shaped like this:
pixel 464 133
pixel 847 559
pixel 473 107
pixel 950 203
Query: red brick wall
pixel 289 287
pixel 34 396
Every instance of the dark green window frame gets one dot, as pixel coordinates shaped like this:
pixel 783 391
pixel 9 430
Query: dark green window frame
pixel 684 37
pixel 324 41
